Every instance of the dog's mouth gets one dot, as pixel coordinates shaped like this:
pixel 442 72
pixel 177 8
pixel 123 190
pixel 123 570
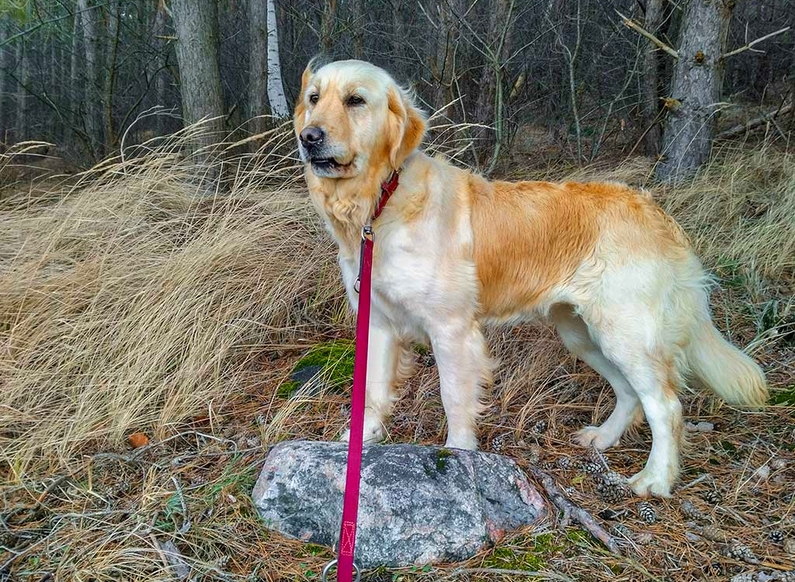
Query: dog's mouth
pixel 328 164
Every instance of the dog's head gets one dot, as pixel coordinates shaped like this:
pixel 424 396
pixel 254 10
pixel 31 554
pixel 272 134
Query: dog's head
pixel 353 119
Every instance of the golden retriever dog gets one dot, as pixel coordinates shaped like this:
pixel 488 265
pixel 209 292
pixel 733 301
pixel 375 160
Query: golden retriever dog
pixel 602 262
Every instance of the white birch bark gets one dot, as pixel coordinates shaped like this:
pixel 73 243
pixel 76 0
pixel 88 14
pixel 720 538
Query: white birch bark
pixel 276 95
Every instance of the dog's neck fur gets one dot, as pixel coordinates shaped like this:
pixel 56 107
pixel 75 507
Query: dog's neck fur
pixel 347 204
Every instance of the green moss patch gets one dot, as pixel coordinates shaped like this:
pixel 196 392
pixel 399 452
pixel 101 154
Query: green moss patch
pixel 334 361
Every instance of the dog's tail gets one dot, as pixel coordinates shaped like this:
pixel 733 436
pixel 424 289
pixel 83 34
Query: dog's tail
pixel 723 368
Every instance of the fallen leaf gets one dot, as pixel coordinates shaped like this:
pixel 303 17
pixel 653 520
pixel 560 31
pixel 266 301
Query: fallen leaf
pixel 138 440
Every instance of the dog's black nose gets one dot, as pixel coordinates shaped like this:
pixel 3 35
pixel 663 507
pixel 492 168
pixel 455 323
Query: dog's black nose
pixel 311 136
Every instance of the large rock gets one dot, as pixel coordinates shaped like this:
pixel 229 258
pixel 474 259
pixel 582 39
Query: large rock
pixel 418 505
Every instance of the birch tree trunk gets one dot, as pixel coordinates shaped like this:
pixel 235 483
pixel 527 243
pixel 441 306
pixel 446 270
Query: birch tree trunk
pixel 196 23
pixel 651 81
pixel 276 95
pixel 258 66
pixel 695 88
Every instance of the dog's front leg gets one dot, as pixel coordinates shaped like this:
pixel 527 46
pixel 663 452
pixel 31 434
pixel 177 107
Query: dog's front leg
pixel 382 363
pixel 464 365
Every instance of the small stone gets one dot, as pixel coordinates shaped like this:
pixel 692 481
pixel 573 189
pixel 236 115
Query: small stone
pixel 692 537
pixel 646 512
pixel 700 427
pixel 763 472
pixel 778 463
pixel 745 577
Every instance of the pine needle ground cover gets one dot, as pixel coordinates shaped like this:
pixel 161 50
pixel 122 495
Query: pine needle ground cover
pixel 132 300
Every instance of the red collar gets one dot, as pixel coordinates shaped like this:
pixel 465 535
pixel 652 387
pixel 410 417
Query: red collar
pixel 387 189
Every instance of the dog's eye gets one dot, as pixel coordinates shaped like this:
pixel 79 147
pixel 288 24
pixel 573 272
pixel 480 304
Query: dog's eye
pixel 354 101
pixel 313 98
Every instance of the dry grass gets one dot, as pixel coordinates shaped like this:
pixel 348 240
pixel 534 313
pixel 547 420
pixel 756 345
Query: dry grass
pixel 133 300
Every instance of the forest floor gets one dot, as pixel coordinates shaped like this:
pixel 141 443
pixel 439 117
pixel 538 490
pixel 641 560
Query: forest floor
pixel 148 334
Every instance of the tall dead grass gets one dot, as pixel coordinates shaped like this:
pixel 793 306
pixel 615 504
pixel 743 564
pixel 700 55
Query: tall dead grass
pixel 133 302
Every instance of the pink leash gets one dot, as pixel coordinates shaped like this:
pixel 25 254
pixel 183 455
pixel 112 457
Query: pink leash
pixel 350 505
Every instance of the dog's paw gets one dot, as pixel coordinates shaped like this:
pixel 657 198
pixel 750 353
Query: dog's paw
pixel 373 432
pixel 647 483
pixel 595 436
pixel 466 442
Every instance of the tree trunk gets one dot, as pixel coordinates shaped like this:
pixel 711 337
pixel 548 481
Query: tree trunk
pixel 110 80
pixel 356 12
pixel 160 72
pixel 490 108
pixel 74 91
pixel 5 30
pixel 445 53
pixel 276 95
pixel 196 23
pixel 88 20
pixel 651 81
pixel 258 66
pixel 23 78
pixel 327 24
pixel 695 88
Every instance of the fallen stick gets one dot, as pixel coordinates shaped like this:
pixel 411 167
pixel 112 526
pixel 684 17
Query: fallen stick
pixel 754 123
pixel 575 512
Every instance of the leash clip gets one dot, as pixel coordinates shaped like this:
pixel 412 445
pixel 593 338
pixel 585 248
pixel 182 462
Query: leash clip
pixel 332 564
pixel 367 234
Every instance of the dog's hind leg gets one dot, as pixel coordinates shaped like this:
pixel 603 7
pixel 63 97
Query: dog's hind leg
pixel 574 334
pixel 464 365
pixel 633 341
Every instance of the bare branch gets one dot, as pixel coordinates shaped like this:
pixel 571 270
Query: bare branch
pixel 754 123
pixel 640 30
pixel 751 44
pixel 569 509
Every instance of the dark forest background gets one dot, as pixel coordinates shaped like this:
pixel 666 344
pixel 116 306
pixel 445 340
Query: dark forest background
pixel 581 78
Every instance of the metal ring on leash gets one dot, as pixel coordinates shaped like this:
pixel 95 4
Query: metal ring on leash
pixel 332 564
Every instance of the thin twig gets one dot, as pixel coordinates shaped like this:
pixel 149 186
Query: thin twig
pixel 754 123
pixel 640 30
pixel 576 512
pixel 751 44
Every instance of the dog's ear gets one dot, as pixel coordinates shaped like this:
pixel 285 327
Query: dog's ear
pixel 406 126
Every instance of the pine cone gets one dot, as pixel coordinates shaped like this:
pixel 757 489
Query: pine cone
pixel 646 512
pixel 564 462
pixel 540 427
pixel 741 552
pixel 776 536
pixel 690 511
pixel 714 534
pixel 613 487
pixel 622 531
pixel 712 496
pixel 499 442
pixel 592 468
